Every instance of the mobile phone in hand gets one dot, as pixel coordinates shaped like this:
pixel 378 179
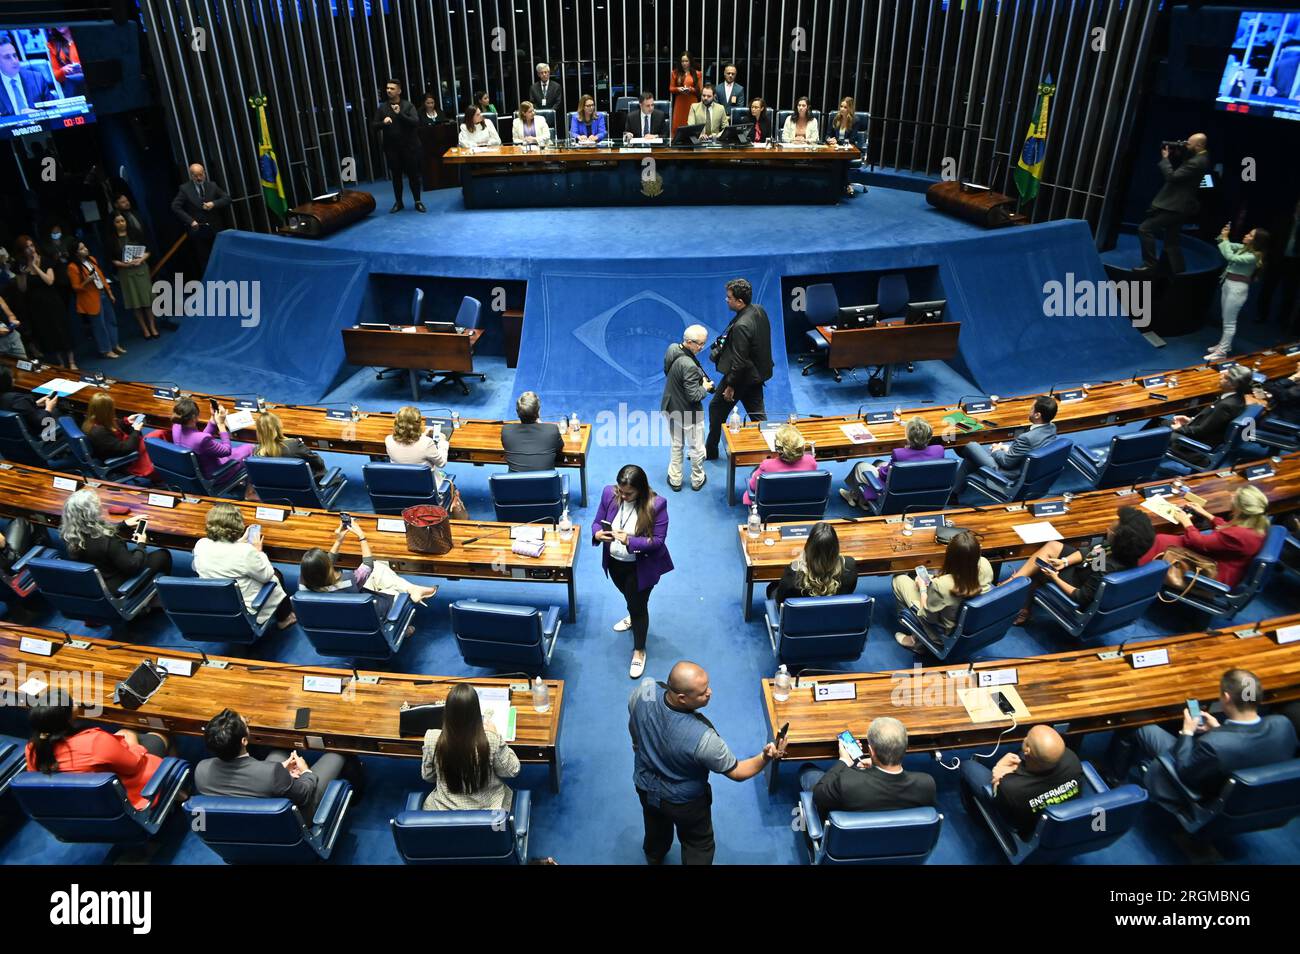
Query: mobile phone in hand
pixel 606 525
pixel 212 403
pixel 345 519
pixel 254 532
pixel 1194 707
pixel 141 527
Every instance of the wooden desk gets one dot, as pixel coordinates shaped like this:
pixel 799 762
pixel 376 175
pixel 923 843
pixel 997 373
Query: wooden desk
pixel 889 344
pixel 512 177
pixel 480 549
pixel 413 347
pixel 363 719
pixel 1105 404
pixel 879 547
pixel 476 442
pixel 1077 688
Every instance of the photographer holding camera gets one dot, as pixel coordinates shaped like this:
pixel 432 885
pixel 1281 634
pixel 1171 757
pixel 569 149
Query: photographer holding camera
pixel 1176 202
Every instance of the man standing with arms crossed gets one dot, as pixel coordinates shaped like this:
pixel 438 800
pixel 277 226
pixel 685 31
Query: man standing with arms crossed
pixel 396 122
pixel 685 385
pixel 743 355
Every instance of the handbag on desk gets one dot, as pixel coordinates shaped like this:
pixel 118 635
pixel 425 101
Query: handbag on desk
pixel 1185 568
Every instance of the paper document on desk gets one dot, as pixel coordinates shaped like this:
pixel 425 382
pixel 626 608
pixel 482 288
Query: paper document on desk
pixel 1162 507
pixel 857 433
pixel 240 421
pixel 980 706
pixel 60 386
pixel 494 701
pixel 1039 532
pixel 769 434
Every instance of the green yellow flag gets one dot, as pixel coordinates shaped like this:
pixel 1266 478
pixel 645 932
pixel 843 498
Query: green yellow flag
pixel 267 165
pixel 1029 170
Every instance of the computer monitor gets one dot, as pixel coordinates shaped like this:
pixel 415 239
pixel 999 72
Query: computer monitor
pixel 688 135
pixel 740 135
pixel 375 325
pixel 925 312
pixel 858 316
pixel 443 327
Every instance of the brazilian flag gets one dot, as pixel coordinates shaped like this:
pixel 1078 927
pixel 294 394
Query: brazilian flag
pixel 267 165
pixel 1029 170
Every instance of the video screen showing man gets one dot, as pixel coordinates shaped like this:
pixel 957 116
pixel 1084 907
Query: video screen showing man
pixel 42 85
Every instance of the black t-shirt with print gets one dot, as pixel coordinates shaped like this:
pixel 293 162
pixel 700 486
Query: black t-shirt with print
pixel 1023 795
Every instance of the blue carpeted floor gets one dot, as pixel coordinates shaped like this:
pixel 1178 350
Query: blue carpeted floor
pixel 596 818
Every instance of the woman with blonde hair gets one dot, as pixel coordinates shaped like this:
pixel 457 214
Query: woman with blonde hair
pixel 414 442
pixel 791 455
pixel 271 442
pixel 819 571
pixel 111 436
pixel 228 553
pixel 529 127
pixel 1231 544
pixel 1244 260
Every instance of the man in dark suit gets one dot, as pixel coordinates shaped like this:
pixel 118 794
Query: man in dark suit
pixel 532 444
pixel 1211 424
pixel 743 356
pixel 1174 204
pixel 1007 459
pixel 877 783
pixel 1206 751
pixel 233 771
pixel 646 122
pixel 730 93
pixel 546 92
pixel 397 124
pixel 21 86
pixel 198 204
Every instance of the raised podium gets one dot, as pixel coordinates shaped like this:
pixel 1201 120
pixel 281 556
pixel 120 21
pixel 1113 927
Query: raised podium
pixel 325 215
pixel 976 204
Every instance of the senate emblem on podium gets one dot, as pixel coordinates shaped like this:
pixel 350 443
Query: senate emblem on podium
pixel 652 188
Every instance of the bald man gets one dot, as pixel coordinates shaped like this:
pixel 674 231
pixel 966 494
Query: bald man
pixel 675 748
pixel 198 204
pixel 1045 773
pixel 1177 202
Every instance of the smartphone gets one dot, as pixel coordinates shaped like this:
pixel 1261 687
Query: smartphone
pixel 923 574
pixel 254 532
pixel 1157 396
pixel 302 718
pixel 137 420
pixel 1194 707
pixel 780 736
pixel 607 525
pixel 851 745
pixel 345 519
pixel 212 403
pixel 1004 704
pixel 141 528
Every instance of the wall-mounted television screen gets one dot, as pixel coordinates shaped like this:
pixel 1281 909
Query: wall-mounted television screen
pixel 1262 75
pixel 42 87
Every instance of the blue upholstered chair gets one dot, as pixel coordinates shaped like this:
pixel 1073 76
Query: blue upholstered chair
pixel 290 480
pixel 1186 455
pixel 394 487
pixel 534 495
pixel 467 317
pixel 1131 458
pixel 179 469
pixel 793 495
pixel 21 447
pixel 18 578
pixel 903 837
pixel 1041 467
pixel 783 114
pixel 505 637
pixel 1065 830
pixel 13 759
pixel 981 621
pixel 1213 597
pixel 892 294
pixel 92 807
pixel 112 469
pixel 1253 799
pixel 213 611
pixel 270 831
pixel 349 625
pixel 1278 434
pixel 912 485
pixel 78 591
pixel 821 307
pixel 806 629
pixel 1121 598
pixel 463 837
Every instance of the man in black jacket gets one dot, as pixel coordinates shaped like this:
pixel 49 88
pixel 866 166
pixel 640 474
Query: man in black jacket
pixel 397 123
pixel 39 414
pixel 646 122
pixel 532 444
pixel 877 783
pixel 1210 425
pixel 198 205
pixel 743 355
pixel 1174 204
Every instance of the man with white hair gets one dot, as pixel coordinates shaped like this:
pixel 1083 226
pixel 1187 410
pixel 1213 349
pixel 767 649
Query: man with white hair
pixel 685 385
pixel 877 783
pixel 546 92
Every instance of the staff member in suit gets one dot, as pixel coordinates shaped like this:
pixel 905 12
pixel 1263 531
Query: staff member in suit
pixel 430 115
pixel 529 127
pixel 396 122
pixel 685 385
pixel 1206 751
pixel 532 444
pixel 877 783
pixel 1211 424
pixel 762 120
pixel 587 125
pixel 646 122
pixel 743 355
pixel 1007 458
pixel 477 130
pixel 1244 260
pixel 21 86
pixel 198 204
pixel 1174 204
pixel 730 93
pixel 546 92
pixel 708 113
pixel 631 527
pixel 674 748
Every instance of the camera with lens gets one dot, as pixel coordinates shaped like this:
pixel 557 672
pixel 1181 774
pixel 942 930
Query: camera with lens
pixel 1177 149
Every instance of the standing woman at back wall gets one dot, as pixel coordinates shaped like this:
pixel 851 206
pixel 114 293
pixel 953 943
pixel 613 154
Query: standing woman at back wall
pixel 684 83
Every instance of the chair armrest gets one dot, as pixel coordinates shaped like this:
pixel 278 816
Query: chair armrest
pixel 874 481
pixel 1191 443
pixel 550 621
pixel 1277 424
pixel 399 607
pixel 992 473
pixel 329 477
pixel 1094 779
pixel 1167 763
pixel 773 614
pixel 811 820
pixel 415 802
pixel 171 770
pixel 522 810
pixel 263 595
pixel 134 583
pixel 32 554
pixel 1215 587
pixel 113 463
pixel 335 797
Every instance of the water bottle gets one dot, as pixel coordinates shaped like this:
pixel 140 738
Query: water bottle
pixel 541 696
pixel 755 526
pixel 733 421
pixel 898 414
pixel 781 684
pixel 261 403
pixel 565 525
pixel 356 413
pixel 455 420
pixel 575 426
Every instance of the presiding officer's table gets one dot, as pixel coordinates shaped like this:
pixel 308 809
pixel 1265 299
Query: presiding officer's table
pixel 413 347
pixel 362 719
pixel 509 177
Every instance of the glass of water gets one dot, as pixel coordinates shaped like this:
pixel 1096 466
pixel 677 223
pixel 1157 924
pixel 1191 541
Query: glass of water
pixel 908 523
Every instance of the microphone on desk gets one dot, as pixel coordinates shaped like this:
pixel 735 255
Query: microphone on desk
pixel 799 673
pixel 188 647
pixel 507 528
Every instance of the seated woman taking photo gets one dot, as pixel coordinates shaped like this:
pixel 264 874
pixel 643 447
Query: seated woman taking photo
pixel 318 573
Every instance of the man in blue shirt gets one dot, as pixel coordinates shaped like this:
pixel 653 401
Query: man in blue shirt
pixel 675 749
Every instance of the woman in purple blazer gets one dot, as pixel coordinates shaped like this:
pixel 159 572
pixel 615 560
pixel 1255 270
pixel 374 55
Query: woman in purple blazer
pixel 918 447
pixel 212 445
pixel 632 525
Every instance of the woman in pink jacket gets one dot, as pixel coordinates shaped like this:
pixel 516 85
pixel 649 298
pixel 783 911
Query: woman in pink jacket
pixel 212 444
pixel 790 455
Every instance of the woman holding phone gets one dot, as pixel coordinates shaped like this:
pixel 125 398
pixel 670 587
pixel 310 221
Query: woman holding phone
pixel 936 600
pixel 318 573
pixel 90 538
pixel 230 551
pixel 631 525
pixel 211 445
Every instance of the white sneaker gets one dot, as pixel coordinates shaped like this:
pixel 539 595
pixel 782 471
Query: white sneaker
pixel 623 625
pixel 1216 354
pixel 638 665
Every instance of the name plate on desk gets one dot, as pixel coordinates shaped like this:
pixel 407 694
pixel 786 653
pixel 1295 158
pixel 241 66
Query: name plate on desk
pixel 879 417
pixel 1153 381
pixel 97 379
pixel 834 691
pixel 391 526
pixel 1147 658
pixel 929 521
pixel 162 500
pixel 1293 350
pixel 1258 471
pixel 166 394
pixel 1049 509
pixel 527 533
pixel 64 483
pixel 976 407
pixel 1163 490
pixel 330 684
pixel 1283 635
pixel 271 514
pixel 796 531
pixel 997 677
pixel 45 647
pixel 29 365
pixel 246 405
pixel 338 415
pixel 1068 397
pixel 176 667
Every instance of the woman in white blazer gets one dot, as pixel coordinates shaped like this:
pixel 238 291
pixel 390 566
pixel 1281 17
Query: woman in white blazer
pixel 529 127
pixel 800 126
pixel 477 131
pixel 226 554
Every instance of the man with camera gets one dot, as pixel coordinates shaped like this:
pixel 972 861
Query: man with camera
pixel 743 356
pixel 1176 202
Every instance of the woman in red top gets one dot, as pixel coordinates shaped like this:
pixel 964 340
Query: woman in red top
pixel 684 83
pixel 1232 544
pixel 58 744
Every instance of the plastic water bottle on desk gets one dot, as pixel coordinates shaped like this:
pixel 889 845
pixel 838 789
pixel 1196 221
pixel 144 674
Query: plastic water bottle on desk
pixel 733 421
pixel 356 413
pixel 898 414
pixel 781 683
pixel 755 526
pixel 541 696
pixel 575 426
pixel 565 525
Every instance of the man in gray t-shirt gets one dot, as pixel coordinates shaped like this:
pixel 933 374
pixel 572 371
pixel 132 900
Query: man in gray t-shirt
pixel 675 749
